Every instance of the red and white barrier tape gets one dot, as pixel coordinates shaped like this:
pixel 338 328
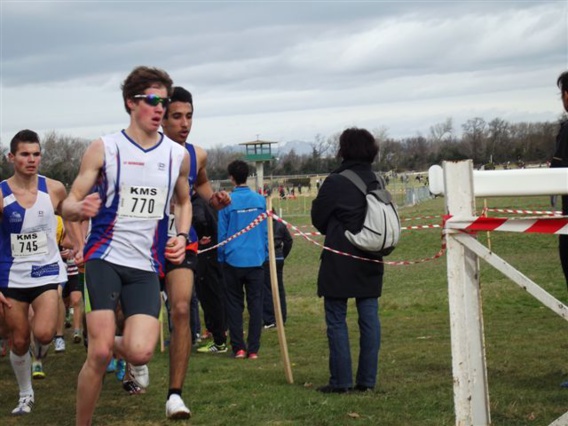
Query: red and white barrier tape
pixel 386 262
pixel 264 216
pixel 517 211
pixel 404 228
pixel 404 219
pixel 247 228
pixel 541 225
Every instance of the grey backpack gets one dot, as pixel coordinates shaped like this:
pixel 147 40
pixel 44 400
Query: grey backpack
pixel 381 228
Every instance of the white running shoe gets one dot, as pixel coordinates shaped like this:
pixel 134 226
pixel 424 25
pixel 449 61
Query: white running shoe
pixel 176 409
pixel 25 405
pixel 140 375
pixel 59 344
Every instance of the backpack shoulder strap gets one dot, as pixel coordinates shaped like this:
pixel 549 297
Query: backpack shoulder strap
pixel 355 179
pixel 381 180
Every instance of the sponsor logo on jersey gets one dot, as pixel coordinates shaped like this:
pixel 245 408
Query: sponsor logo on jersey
pixel 15 217
pixel 45 270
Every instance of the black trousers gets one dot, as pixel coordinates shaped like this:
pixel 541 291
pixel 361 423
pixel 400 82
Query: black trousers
pixel 210 289
pixel 244 283
pixel 268 316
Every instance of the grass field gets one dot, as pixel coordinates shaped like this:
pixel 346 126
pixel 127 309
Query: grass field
pixel 526 353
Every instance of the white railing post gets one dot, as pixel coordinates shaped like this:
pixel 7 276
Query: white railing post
pixel 471 396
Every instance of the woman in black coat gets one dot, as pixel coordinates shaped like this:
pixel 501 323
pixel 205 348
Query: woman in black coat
pixel 339 207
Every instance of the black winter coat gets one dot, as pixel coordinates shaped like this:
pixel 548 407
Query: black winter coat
pixel 340 206
pixel 282 240
pixel 560 158
pixel 204 220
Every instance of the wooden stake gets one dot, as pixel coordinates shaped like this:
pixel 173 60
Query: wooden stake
pixel 276 298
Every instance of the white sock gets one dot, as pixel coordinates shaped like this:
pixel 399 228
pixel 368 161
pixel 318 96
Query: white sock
pixel 22 366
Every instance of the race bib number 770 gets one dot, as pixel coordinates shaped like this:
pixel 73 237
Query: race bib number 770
pixel 142 202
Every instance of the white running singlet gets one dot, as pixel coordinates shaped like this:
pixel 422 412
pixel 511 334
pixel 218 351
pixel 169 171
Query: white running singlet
pixel 136 187
pixel 29 255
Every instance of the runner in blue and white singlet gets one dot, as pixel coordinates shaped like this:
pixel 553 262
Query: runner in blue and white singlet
pixel 179 278
pixel 135 186
pixel 192 240
pixel 30 264
pixel 29 256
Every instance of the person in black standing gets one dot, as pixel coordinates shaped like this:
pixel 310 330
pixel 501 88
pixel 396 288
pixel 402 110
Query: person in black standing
pixel 337 208
pixel 282 246
pixel 560 159
pixel 209 278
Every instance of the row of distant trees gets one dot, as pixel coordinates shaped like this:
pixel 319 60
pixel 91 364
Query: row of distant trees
pixel 486 143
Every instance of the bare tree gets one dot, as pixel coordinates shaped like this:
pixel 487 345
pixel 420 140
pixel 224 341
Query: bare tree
pixel 61 156
pixel 6 169
pixel 498 140
pixel 442 131
pixel 474 138
pixel 218 158
pixel 320 146
pixel 417 151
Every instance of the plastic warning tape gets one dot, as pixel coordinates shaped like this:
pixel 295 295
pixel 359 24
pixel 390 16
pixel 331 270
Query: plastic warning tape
pixel 541 225
pixel 518 211
pixel 405 219
pixel 386 262
pixel 247 228
pixel 404 228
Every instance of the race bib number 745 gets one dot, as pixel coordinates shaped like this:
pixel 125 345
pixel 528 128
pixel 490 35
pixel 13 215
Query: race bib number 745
pixel 142 202
pixel 28 244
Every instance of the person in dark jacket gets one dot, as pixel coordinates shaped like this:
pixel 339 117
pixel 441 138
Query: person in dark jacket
pixel 209 279
pixel 339 207
pixel 282 246
pixel 560 159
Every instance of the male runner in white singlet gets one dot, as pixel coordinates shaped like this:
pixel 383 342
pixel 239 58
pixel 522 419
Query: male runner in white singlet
pixel 125 185
pixel 31 267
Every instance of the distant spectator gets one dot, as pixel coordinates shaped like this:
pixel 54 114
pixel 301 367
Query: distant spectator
pixel 209 279
pixel 242 259
pixel 282 245
pixel 560 159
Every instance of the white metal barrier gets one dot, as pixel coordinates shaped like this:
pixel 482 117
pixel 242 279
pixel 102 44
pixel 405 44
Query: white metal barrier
pixel 461 185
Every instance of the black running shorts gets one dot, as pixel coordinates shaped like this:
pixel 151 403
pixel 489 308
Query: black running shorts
pixel 107 283
pixel 27 295
pixel 73 284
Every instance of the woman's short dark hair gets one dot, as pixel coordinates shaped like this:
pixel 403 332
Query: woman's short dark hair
pixel 562 82
pixel 357 144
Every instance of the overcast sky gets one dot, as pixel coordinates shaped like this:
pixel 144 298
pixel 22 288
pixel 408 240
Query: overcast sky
pixel 283 70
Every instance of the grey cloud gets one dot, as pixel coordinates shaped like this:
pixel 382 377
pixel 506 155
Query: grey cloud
pixel 278 57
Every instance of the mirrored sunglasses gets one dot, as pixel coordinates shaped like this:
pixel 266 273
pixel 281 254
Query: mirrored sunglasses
pixel 153 100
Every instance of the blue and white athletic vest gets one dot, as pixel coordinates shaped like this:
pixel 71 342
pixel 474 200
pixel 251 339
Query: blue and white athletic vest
pixel 192 178
pixel 29 255
pixel 135 186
